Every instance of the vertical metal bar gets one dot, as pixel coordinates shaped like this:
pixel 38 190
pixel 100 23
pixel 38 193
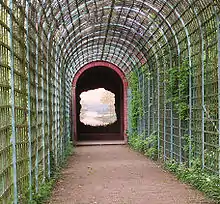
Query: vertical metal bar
pixel 179 120
pixel 152 102
pixel 218 25
pixel 129 112
pixel 62 96
pixel 190 98
pixel 158 103
pixel 59 149
pixel 171 104
pixel 53 107
pixel 190 81
pixel 171 130
pixel 190 117
pixel 203 105
pixel 203 89
pixel 139 116
pixel 63 103
pixel 164 113
pixel 55 115
pixel 64 108
pixel 148 106
pixel 56 106
pixel 48 107
pixel 37 110
pixel 68 102
pixel 29 101
pixel 158 109
pixel 65 125
pixel 58 117
pixel 143 104
pixel 171 119
pixel 43 115
pixel 61 135
pixel 13 138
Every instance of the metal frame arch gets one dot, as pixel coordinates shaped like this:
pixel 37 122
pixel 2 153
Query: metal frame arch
pixel 123 78
pixel 93 47
pixel 77 65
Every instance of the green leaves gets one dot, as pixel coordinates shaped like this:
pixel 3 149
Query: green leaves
pixel 44 193
pixel 148 146
pixel 202 180
pixel 45 190
pixel 136 102
pixel 177 89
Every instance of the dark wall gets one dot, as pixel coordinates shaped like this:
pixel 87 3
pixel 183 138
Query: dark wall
pixel 100 77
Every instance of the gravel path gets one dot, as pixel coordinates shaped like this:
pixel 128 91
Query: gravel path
pixel 118 175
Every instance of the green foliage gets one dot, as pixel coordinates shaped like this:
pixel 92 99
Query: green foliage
pixel 195 175
pixel 177 93
pixel 172 85
pixel 136 102
pixel 46 188
pixel 68 152
pixel 148 146
pixel 177 89
pixel 136 142
pixel 202 180
pixel 45 191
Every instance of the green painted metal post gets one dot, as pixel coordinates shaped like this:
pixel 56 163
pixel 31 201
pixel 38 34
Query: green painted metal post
pixel 29 100
pixel 218 24
pixel 37 111
pixel 13 137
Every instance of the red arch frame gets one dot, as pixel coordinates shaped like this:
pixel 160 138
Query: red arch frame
pixel 125 87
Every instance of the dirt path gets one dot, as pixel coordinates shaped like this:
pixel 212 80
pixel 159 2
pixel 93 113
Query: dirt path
pixel 117 175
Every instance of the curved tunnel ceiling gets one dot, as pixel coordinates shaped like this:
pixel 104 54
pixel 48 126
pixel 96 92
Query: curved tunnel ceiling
pixel 124 32
pixel 173 46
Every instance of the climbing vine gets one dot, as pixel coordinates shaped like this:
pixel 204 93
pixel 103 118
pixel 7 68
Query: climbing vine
pixel 139 142
pixel 148 146
pixel 202 180
pixel 136 101
pixel 178 89
pixel 193 174
pixel 177 93
pixel 45 190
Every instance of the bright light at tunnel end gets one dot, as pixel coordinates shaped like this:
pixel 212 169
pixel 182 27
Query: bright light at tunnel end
pixel 97 108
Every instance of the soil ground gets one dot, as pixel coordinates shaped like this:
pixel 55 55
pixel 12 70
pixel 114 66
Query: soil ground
pixel 117 175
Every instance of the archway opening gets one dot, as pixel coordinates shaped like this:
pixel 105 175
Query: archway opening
pixel 99 110
pixel 100 77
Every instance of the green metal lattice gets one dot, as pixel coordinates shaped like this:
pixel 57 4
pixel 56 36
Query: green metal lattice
pixel 44 43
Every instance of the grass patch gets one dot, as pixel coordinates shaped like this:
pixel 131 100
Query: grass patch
pixel 46 189
pixel 202 180
pixel 148 146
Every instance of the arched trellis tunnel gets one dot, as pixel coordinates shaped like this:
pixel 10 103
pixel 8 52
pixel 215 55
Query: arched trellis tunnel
pixel 100 74
pixel 168 51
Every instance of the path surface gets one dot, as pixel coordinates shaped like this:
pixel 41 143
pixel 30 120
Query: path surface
pixel 117 175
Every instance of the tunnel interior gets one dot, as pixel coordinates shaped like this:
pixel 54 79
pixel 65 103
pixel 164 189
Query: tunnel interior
pixel 168 51
pixel 100 77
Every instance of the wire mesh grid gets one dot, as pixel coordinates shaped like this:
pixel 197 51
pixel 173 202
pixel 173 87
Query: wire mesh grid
pixel 44 43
